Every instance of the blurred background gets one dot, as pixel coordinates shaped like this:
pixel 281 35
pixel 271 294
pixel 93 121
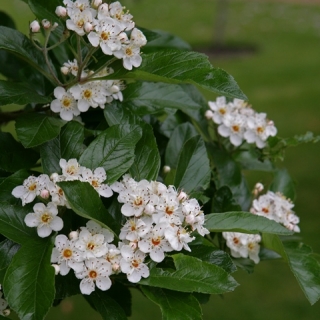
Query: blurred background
pixel 272 48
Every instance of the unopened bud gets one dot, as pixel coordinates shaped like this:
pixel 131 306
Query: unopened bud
pixel 149 209
pixel 73 235
pixel 182 196
pixel 6 312
pixel 270 123
pixel 209 114
pixel 258 188
pixel 190 219
pixel 104 9
pixel 115 267
pixel 55 25
pixel 88 27
pixel 54 177
pixel 96 3
pixel 133 245
pixel 56 268
pixel 123 37
pixel 166 169
pixel 34 26
pixel 65 70
pixel 61 11
pixel 45 194
pixel 46 23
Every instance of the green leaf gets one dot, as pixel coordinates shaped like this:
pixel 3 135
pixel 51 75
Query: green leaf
pixel 282 182
pixel 191 275
pixel 304 138
pixel 180 135
pixel 66 286
pixel 68 145
pixel 303 265
pixel 108 308
pixel 8 249
pixel 36 129
pixel 245 264
pixel 18 44
pixel 9 183
pixel 170 123
pixel 19 93
pixel 85 201
pixel 176 66
pixel 29 280
pixel 193 168
pixel 152 97
pixel 250 160
pixel 12 223
pixel 212 255
pixel 14 156
pixel 113 150
pixel 223 201
pixel 229 174
pixel 244 222
pixel 173 304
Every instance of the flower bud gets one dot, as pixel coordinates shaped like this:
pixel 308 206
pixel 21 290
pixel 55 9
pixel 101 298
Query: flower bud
pixel 133 245
pixel 149 209
pixel 115 267
pixel 34 26
pixel 54 177
pixel 55 25
pixel 56 268
pixel 45 194
pixel 182 196
pixel 166 169
pixel 6 312
pixel 209 114
pixel 64 70
pixel 96 3
pixel 73 235
pixel 61 11
pixel 46 23
pixel 104 10
pixel 190 219
pixel 258 188
pixel 88 27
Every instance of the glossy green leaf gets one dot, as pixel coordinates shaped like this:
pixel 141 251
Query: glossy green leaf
pixel 12 223
pixel 173 304
pixel 13 155
pixel 8 249
pixel 245 264
pixel 303 265
pixel 29 281
pixel 282 182
pixel 113 150
pixel 9 183
pixel 180 135
pixel 85 201
pixel 176 66
pixel 108 308
pixel 19 93
pixel 245 222
pixel 36 129
pixel 66 286
pixel 68 145
pixel 250 160
pixel 193 168
pixel 191 275
pixel 152 97
pixel 18 44
pixel 223 201
pixel 229 174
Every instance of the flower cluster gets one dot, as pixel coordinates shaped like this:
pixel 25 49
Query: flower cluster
pixel 106 26
pixel 45 216
pixel 4 311
pixel 80 97
pixel 277 207
pixel 238 121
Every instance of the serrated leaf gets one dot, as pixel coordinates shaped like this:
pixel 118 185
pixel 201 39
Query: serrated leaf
pixel 108 308
pixel 8 249
pixel 113 150
pixel 176 66
pixel 180 135
pixel 193 168
pixel 18 44
pixel 152 97
pixel 308 137
pixel 282 182
pixel 303 265
pixel 29 281
pixel 173 304
pixel 68 145
pixel 19 93
pixel 36 129
pixel 14 156
pixel 244 222
pixel 9 183
pixel 85 201
pixel 191 275
pixel 12 223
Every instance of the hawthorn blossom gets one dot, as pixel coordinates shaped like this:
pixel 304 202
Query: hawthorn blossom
pixel 130 54
pixel 71 169
pixel 116 11
pixel 78 18
pixel 44 218
pixel 3 306
pixel 94 228
pixel 178 237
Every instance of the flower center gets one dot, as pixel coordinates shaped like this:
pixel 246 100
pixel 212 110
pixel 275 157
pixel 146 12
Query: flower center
pixel 222 111
pixel 93 274
pixel 90 246
pixel 80 23
pixel 32 186
pixel 45 218
pixel 95 183
pixel 138 201
pixel 169 210
pixel 251 246
pixel 67 253
pixel 129 52
pixel 60 192
pixel 156 241
pixel 265 210
pixel 66 102
pixel 135 263
pixel 260 129
pixel 72 170
pixel 235 240
pixel 105 35
pixel 87 94
pixel 235 128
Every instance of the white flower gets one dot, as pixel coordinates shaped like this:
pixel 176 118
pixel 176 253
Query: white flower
pixel 220 109
pixel 130 54
pixel 44 218
pixel 78 19
pixel 113 256
pixel 134 229
pixel 65 104
pixel 34 26
pixel 95 228
pixel 66 255
pixel 97 273
pixel 132 264
pixel 46 23
pixel 117 12
pixel 71 170
pixel 138 38
pixel 178 237
pixel 234 127
pixel 70 67
pixel 31 188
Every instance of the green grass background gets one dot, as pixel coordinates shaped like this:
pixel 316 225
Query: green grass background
pixel 283 79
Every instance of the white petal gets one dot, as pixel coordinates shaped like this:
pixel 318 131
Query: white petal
pixel 86 286
pixel 103 283
pixel 83 105
pixel 59 92
pixel 64 268
pixel 31 220
pixel 105 191
pixel 56 224
pixel 66 115
pixel 19 191
pixel 134 276
pixel 94 38
pixel 44 231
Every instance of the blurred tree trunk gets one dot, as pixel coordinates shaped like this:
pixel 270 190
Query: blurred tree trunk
pixel 220 24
